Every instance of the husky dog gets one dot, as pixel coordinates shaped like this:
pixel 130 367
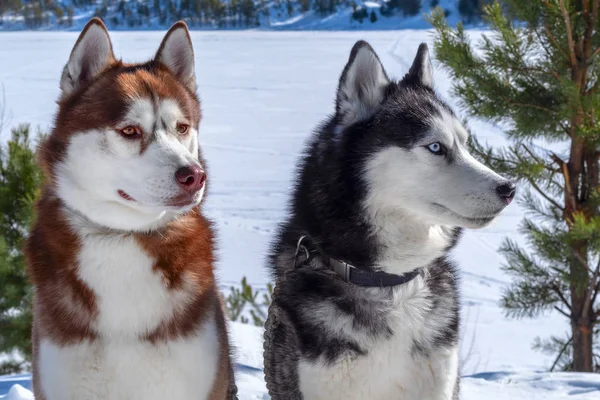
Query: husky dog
pixel 366 301
pixel 121 257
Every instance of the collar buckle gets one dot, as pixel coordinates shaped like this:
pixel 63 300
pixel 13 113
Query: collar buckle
pixel 342 269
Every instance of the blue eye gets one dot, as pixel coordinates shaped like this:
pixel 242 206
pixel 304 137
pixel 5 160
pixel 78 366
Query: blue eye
pixel 436 148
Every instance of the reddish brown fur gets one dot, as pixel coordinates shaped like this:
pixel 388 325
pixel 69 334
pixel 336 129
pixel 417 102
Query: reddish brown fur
pixel 184 247
pixel 64 307
pixel 105 100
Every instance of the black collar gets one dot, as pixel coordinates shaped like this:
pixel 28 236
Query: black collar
pixel 348 272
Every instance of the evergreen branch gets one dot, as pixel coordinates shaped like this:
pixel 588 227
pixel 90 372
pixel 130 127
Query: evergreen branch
pixel 569 33
pixel 560 353
pixel 560 294
pixel 535 106
pixel 487 156
pixel 525 70
pixel 557 308
pixel 543 194
pixel 537 159
pixel 532 182
pixel 543 44
pixel 553 39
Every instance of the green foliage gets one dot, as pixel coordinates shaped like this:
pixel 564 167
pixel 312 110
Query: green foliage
pixel 360 14
pixel 403 7
pixel 20 178
pixel 472 9
pixel 537 74
pixel 373 17
pixel 70 14
pixel 561 348
pixel 246 299
pixel 7 6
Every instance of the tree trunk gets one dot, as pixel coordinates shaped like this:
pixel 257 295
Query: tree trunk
pixel 577 193
pixel 582 333
pixel 581 315
pixel 582 347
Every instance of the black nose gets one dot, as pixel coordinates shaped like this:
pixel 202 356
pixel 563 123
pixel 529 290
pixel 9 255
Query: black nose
pixel 507 191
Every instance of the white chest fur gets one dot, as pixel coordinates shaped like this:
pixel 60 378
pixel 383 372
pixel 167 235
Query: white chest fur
pixel 391 369
pixel 132 300
pixel 177 370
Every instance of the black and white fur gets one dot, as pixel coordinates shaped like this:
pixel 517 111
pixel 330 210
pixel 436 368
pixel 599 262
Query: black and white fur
pixel 385 184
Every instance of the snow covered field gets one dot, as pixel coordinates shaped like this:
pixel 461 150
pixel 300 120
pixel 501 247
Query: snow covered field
pixel 262 94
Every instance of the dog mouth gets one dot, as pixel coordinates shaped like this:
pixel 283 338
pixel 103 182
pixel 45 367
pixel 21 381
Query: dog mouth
pixel 180 201
pixel 479 221
pixel 125 196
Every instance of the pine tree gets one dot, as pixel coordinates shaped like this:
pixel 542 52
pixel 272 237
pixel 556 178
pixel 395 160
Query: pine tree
pixel 405 7
pixel 538 73
pixel 20 178
pixel 70 14
pixel 471 9
pixel 373 17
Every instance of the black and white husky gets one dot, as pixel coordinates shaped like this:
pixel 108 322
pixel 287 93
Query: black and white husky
pixel 366 301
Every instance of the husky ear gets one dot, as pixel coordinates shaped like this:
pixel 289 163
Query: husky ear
pixel 177 54
pixel 362 85
pixel 91 54
pixel 421 71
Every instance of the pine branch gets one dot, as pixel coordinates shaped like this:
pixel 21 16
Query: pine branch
pixel 560 353
pixel 567 19
pixel 557 308
pixel 543 194
pixel 552 38
pixel 537 159
pixel 534 106
pixel 549 199
pixel 548 53
pixel 560 294
pixel 526 72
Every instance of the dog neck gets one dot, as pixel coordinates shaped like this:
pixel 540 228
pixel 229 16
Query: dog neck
pixel 407 242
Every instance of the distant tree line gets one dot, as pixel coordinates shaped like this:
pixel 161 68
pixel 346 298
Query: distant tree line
pixel 209 13
pixel 469 10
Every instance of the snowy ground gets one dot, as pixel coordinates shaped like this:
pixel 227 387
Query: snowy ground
pixel 262 94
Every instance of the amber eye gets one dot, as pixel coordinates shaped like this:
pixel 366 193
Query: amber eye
pixel 182 129
pixel 131 131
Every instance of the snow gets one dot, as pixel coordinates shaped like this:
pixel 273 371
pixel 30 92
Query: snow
pixel 496 385
pixel 263 93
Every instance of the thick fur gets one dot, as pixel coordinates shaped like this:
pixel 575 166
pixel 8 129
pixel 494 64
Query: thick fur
pixel 370 191
pixel 121 257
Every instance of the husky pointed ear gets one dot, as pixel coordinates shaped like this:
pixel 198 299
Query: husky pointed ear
pixel 177 54
pixel 91 54
pixel 421 71
pixel 362 85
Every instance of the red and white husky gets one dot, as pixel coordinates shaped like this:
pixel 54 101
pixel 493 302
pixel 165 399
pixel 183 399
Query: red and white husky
pixel 126 305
